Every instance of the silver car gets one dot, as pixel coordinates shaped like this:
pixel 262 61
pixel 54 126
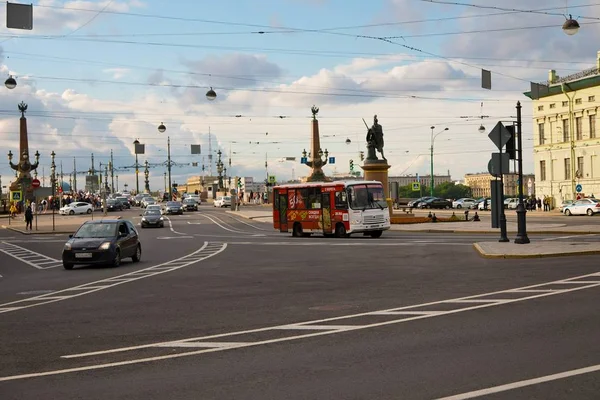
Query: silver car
pixel 583 207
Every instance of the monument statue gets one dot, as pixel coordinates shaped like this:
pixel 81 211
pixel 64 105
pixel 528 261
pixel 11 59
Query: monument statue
pixel 374 140
pixel 25 165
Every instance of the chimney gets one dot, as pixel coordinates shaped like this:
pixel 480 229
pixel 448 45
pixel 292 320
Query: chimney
pixel 552 77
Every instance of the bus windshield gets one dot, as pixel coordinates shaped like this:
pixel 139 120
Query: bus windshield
pixel 364 197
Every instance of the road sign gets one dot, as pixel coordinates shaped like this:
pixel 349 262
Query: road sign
pixel 303 160
pixel 35 183
pixel 578 188
pixel 500 135
pixel 16 196
pixel 494 164
pixel 416 186
pixel 331 160
pixel 272 179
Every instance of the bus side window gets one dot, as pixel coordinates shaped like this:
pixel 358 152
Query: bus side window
pixel 341 200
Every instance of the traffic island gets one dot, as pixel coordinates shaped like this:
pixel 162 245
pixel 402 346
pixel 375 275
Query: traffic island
pixel 535 249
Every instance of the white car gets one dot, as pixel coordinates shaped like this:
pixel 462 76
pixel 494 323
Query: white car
pixel 463 203
pixel 222 201
pixel 583 207
pixel 481 205
pixel 76 207
pixel 511 203
pixel 154 207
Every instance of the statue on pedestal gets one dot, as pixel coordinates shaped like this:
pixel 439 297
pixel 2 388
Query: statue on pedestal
pixel 374 140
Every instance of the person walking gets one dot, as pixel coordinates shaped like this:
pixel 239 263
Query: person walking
pixel 28 218
pixel 13 210
pixel 539 204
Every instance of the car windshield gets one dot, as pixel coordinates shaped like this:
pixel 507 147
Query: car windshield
pixel 96 230
pixel 152 212
pixel 173 204
pixel 366 197
pixel 227 198
pixel 112 202
pixel 123 199
pixel 189 201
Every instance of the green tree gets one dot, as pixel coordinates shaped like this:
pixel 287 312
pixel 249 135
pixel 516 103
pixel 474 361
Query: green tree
pixel 449 190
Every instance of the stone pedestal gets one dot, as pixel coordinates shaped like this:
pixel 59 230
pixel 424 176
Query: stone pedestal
pixel 377 170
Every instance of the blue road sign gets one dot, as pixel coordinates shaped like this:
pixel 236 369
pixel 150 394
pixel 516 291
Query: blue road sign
pixel 578 188
pixel 331 160
pixel 303 160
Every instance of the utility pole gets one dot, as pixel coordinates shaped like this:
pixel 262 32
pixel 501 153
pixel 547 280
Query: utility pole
pixel 112 173
pixel 522 237
pixel 74 175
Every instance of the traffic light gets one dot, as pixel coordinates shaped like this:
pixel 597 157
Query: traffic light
pixel 239 182
pixel 351 165
pixel 174 185
pixel 510 145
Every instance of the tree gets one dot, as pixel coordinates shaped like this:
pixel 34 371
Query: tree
pixel 449 190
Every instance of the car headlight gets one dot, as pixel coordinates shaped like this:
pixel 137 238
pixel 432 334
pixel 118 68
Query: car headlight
pixel 162 219
pixel 144 219
pixel 67 246
pixel 104 246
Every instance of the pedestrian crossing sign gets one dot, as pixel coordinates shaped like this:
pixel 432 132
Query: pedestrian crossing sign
pixel 416 186
pixel 16 196
pixel 272 179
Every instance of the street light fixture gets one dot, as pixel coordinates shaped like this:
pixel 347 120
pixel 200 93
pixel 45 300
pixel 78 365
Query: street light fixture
pixel 431 157
pixel 481 129
pixel 10 83
pixel 211 94
pixel 571 26
pixel 162 128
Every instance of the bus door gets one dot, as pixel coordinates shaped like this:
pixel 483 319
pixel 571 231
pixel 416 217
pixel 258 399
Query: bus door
pixel 283 204
pixel 326 212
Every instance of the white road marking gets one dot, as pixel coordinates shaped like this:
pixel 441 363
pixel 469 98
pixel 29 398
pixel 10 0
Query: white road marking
pixel 318 324
pixel 524 383
pixel 206 251
pixel 570 237
pixel 214 220
pixel 171 226
pixel 29 257
pixel 357 242
pixel 174 237
pixel 247 223
pixel 194 223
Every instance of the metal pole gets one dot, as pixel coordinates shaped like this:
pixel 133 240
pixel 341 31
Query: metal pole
pixel 137 175
pixel 521 217
pixel 74 189
pixel 431 164
pixel 112 173
pixel 166 188
pixel 503 235
pixel 169 167
pixel 105 210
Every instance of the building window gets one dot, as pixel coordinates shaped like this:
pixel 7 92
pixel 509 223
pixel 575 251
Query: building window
pixel 579 172
pixel 542 170
pixel 591 99
pixel 567 168
pixel 565 104
pixel 579 128
pixel 592 119
pixel 565 129
pixel 540 108
pixel 553 105
pixel 577 101
pixel 541 133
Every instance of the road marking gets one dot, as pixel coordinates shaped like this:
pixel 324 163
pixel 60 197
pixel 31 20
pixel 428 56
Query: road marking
pixel 207 250
pixel 524 383
pixel 214 220
pixel 570 237
pixel 211 346
pixel 247 223
pixel 171 226
pixel 29 257
pixel 357 242
pixel 174 237
pixel 194 223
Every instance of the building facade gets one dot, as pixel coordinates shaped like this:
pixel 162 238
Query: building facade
pixel 424 180
pixel 480 184
pixel 565 135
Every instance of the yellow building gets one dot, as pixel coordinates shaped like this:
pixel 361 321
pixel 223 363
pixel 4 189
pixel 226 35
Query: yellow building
pixel 480 185
pixel 566 142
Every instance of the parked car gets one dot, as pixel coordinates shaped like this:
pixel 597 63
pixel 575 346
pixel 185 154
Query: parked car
pixel 106 241
pixel 565 204
pixel 465 202
pixel 189 204
pixel 511 203
pixel 222 201
pixel 76 207
pixel 152 217
pixel 481 205
pixel 114 205
pixel 435 202
pixel 415 203
pixel 125 202
pixel 583 207
pixel 173 207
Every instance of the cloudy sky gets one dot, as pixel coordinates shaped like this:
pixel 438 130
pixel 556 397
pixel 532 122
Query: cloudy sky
pixel 99 74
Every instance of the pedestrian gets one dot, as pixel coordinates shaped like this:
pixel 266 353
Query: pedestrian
pixel 539 204
pixel 13 210
pixel 28 218
pixel 485 204
pixel 33 209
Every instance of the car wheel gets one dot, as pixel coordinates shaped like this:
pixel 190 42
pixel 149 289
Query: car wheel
pixel 459 206
pixel 72 212
pixel 89 211
pixel 447 207
pixel 590 212
pixel 297 230
pixel 67 266
pixel 138 254
pixel 117 260
pixel 340 231
pixel 568 212
pixel 376 234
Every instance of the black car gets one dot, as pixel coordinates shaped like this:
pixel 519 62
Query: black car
pixel 152 218
pixel 106 241
pixel 114 205
pixel 173 207
pixel 415 203
pixel 190 204
pixel 435 202
pixel 125 202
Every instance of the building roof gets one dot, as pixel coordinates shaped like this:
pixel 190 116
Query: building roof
pixel 581 80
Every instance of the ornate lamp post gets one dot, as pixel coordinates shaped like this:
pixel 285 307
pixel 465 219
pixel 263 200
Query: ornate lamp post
pixel 162 128
pixel 431 157
pixel 137 167
pixel 146 177
pixel 220 169
pixel 53 183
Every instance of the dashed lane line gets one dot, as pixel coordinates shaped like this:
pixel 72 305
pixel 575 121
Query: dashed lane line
pixel 29 257
pixel 207 250
pixel 322 327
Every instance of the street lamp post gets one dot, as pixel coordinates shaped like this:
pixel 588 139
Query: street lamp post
pixel 162 128
pixel 137 167
pixel 105 187
pixel 146 177
pixel 53 182
pixel 431 157
pixel 522 237
pixel 220 169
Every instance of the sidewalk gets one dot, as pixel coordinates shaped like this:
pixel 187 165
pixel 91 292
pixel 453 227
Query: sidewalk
pixel 491 249
pixel 63 224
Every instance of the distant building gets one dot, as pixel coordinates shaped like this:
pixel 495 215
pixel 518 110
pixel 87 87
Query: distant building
pixel 480 184
pixel 395 182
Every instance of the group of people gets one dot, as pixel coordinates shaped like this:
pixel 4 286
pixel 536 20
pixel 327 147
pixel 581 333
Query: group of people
pixel 531 203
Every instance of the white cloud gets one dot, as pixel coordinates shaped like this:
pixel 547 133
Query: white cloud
pixel 117 73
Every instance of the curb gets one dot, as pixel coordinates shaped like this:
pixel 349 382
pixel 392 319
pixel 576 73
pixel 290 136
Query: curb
pixel 55 232
pixel 498 232
pixel 247 217
pixel 483 254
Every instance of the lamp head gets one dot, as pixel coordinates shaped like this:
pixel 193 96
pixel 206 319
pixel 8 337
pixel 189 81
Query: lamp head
pixel 348 141
pixel 211 94
pixel 481 129
pixel 10 83
pixel 162 128
pixel 571 26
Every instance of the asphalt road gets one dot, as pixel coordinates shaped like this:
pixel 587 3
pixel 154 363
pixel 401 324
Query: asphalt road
pixel 226 308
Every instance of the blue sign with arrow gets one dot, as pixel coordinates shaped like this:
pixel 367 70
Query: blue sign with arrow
pixel 303 160
pixel 578 188
pixel 331 160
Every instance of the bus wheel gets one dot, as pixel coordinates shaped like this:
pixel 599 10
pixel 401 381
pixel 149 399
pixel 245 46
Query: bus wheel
pixel 340 231
pixel 297 231
pixel 376 234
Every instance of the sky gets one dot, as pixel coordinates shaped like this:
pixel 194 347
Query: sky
pixel 97 75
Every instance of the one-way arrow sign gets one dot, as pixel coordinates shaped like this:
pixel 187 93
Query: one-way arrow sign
pixel 499 135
